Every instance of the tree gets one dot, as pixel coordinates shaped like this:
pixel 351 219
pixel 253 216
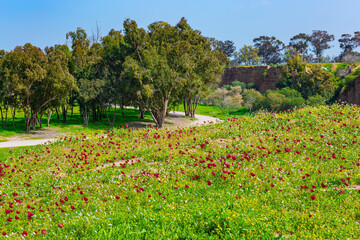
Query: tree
pixel 227 47
pixel 269 49
pixel 35 79
pixel 23 68
pixel 201 69
pixel 309 80
pixel 6 94
pixel 356 38
pixel 87 68
pixel 164 61
pixel 346 43
pixel 320 42
pixel 300 43
pixel 116 88
pixel 247 55
pixel 59 82
pixel 154 66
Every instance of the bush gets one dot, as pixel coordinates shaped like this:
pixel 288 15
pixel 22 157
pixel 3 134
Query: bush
pixel 227 87
pixel 227 100
pixel 238 83
pixel 316 100
pixel 284 99
pixel 252 86
pixel 276 100
pixel 293 99
pixel 254 100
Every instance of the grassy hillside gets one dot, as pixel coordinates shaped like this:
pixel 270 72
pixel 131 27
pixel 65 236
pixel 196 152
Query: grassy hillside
pixel 268 176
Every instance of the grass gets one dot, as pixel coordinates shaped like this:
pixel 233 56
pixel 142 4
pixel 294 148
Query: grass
pixel 75 126
pixel 265 176
pixel 214 111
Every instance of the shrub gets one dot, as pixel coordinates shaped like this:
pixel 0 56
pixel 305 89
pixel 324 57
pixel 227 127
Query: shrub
pixel 238 83
pixel 254 100
pixel 227 87
pixel 316 100
pixel 227 100
pixel 252 86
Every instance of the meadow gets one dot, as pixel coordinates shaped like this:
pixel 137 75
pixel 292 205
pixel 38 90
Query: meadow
pixel 269 175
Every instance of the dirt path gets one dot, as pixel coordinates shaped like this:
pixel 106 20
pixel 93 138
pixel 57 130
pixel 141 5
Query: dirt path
pixel 176 119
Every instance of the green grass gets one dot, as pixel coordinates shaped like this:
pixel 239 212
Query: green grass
pixel 15 152
pixel 75 126
pixel 214 111
pixel 251 177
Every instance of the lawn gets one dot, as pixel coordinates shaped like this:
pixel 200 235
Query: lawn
pixel 265 176
pixel 75 126
pixel 215 111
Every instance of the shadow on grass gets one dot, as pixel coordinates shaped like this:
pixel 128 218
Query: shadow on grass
pixel 75 125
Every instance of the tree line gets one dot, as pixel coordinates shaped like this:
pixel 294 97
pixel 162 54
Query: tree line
pixel 300 84
pixel 151 69
pixel 270 50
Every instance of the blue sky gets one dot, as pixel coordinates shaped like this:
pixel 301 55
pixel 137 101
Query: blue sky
pixel 46 22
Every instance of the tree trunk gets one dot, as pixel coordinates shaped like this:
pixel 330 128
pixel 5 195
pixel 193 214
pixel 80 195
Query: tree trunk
pixel 64 114
pixel 13 112
pixel 194 106
pixel 153 116
pixel 122 108
pixel 57 113
pixel 113 123
pixel 48 118
pixel 99 110
pixel 40 121
pixel 72 111
pixel 94 115
pixel 6 114
pixel 86 116
pixel 27 124
pixel 33 121
pixel 141 112
pixel 163 113
pixel 185 108
pixel 107 116
pixel 2 117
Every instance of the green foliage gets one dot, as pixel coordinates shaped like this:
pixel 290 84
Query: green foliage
pixel 252 86
pixel 254 100
pixel 316 100
pixel 227 87
pixel 226 100
pixel 247 55
pixel 320 41
pixel 169 63
pixel 238 83
pixel 269 49
pixel 309 80
pixel 35 80
pixel 284 99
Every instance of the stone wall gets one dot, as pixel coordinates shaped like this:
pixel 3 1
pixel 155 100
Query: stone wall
pixel 265 77
pixel 352 93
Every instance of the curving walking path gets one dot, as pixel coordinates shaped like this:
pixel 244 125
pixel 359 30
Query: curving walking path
pixel 201 120
pixel 23 143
